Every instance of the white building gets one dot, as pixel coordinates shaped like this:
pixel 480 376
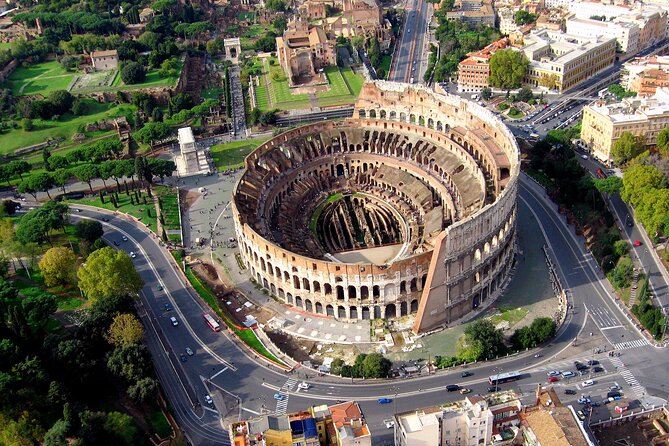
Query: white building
pixel 557 3
pixel 626 34
pixel 190 160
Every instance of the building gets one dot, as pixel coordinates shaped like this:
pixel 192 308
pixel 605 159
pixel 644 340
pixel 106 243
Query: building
pixel 603 123
pixel 644 75
pixel 477 12
pixel 146 15
pixel 104 60
pixel 549 423
pixel 190 160
pixel 474 71
pixel 304 51
pixel 635 29
pixel 337 425
pixel 560 61
pixel 474 421
pixel 447 237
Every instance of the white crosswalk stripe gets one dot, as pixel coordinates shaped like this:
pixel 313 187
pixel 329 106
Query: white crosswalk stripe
pixel 282 406
pixel 632 344
pixel 635 387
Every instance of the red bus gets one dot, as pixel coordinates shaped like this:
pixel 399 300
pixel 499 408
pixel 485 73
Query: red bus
pixel 212 322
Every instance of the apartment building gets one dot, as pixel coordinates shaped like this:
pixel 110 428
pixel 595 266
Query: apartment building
pixel 477 12
pixel 473 72
pixel 567 59
pixel 337 425
pixel 473 421
pixel 644 75
pixel 603 123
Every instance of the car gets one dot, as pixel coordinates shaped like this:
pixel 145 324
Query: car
pixel 303 385
pixel 568 374
pixel 553 373
pixel 189 351
pixel 593 362
pixel 553 379
pixel 465 390
pixel 581 367
pixel 569 392
pixel 613 394
pixel 581 415
pixel 279 397
pixel 452 387
pixel 168 307
pixel 389 423
pixel 585 157
pixel 538 355
pixel 614 387
pixel 183 358
pixel 588 383
pixel 116 243
pixel 105 218
pixel 492 389
pixel 124 238
pixel 132 254
pixel 584 400
pixel 384 400
pixel 637 242
pixel 597 369
pixel 208 400
pixel 78 210
pixel 584 372
pixel 174 321
pixel 466 374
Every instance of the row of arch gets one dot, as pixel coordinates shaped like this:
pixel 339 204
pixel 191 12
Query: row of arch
pixel 349 312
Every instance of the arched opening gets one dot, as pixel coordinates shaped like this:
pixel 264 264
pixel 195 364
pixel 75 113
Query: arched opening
pixel 414 286
pixel 341 312
pixel 317 287
pixel 296 282
pixel 365 313
pixel 340 170
pixel 351 292
pixel 328 289
pixel 273 289
pixel 377 312
pixel 403 309
pixel 423 280
pixel 376 292
pixel 364 293
pixel 307 305
pixel 265 283
pixel 403 287
pixel 305 285
pixel 354 312
pixel 372 113
pixel 340 292
pixel 298 301
pixel 319 308
pixel 391 311
pixel 289 298
pixel 414 306
pixel 476 301
pixel 329 310
pixel 282 294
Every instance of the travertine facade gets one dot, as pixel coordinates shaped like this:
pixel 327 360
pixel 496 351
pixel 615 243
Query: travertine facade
pixel 419 192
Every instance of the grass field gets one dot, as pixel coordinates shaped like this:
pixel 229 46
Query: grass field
pixel 279 91
pixel 170 207
pixel 385 64
pixel 138 211
pixel 65 127
pixel 231 155
pixel 40 78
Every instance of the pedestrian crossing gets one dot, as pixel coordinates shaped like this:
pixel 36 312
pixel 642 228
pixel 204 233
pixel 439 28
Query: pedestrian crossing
pixel 282 406
pixel 635 387
pixel 631 344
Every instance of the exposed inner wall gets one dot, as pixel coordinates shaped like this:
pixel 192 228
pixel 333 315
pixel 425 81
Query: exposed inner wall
pixel 466 247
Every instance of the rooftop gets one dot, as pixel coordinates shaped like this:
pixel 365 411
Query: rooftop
pixel 104 53
pixel 636 108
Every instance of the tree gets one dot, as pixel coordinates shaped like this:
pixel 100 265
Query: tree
pixel 108 272
pixel 621 275
pixel 628 146
pixel 609 185
pixel 132 73
pixel 27 124
pixel 61 177
pixel 41 182
pixel 61 101
pixel 663 141
pixel 524 94
pixel 507 69
pixel 523 17
pixel 143 390
pixel 181 101
pixel 131 362
pixel 124 330
pixel 549 81
pixel 637 180
pixel 58 266
pixel 86 173
pixel 89 230
pixel 486 93
pixel 57 434
pixel 275 5
pixel 152 131
pixel 19 167
pixel 484 334
pixel 376 365
pixel 621 247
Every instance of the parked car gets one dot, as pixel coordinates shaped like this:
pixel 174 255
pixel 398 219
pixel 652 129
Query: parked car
pixel 492 389
pixel 174 321
pixel 189 351
pixel 208 400
pixel 381 400
pixel 597 369
pixel 168 307
pixel 553 379
pixel 183 358
pixel 452 387
pixel 588 383
pixel 614 387
pixel 465 390
pixel 581 415
pixel 553 373
pixel 568 374
pixel 132 254
pixel 584 400
pixel 124 238
pixel 569 392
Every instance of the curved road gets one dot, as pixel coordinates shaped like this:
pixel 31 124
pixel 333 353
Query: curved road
pixel 219 362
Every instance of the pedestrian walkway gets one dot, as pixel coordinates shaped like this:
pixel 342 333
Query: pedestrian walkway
pixel 282 405
pixel 631 344
pixel 636 388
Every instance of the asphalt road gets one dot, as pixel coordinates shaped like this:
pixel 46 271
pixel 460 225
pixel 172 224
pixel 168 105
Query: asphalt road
pixel 218 357
pixel 408 56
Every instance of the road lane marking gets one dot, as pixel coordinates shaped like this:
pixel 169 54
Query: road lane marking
pixel 218 373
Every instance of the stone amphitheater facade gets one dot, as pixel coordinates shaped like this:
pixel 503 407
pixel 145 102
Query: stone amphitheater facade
pixel 407 208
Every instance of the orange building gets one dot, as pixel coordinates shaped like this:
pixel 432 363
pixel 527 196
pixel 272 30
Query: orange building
pixel 473 72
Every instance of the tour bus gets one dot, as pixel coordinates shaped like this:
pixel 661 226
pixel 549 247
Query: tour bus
pixel 504 378
pixel 212 322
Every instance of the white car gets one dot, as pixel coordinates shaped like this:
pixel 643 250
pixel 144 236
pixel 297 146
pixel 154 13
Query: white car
pixel 208 400
pixel 132 254
pixel 174 321
pixel 553 373
pixel 588 383
pixel 303 385
pixel 568 374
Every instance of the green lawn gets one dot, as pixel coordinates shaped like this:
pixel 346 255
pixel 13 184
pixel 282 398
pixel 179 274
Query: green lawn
pixel 231 155
pixel 40 78
pixel 64 299
pixel 159 424
pixel 65 127
pixel 512 316
pixel 385 64
pixel 170 207
pixel 138 211
pixel 279 90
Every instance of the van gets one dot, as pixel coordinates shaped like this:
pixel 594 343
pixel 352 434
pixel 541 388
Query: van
pixel 613 394
pixel 174 321
pixel 452 387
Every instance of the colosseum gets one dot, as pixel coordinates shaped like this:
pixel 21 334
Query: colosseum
pixel 407 208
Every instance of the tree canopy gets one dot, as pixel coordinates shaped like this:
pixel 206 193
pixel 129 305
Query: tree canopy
pixel 58 266
pixel 107 273
pixel 125 329
pixel 507 69
pixel 626 147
